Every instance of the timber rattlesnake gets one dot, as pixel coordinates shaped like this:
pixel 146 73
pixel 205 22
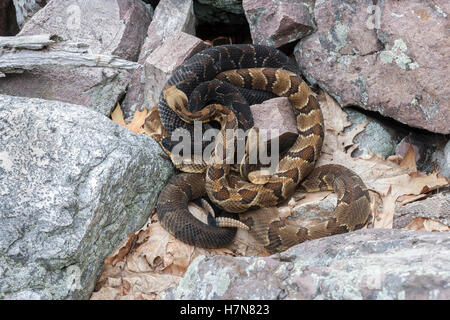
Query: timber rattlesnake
pixel 257 69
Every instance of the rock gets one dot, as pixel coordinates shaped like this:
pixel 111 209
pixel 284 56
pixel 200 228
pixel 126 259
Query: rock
pixel 152 3
pixel 27 8
pixel 73 185
pixel 275 23
pixel 149 6
pixel 390 60
pixel 403 147
pixel 275 114
pixel 96 88
pixel 312 213
pixel 77 22
pixel 233 6
pixel 162 62
pixel 378 136
pixel 212 12
pixel 366 264
pixel 169 18
pixel 436 208
pixel 429 151
pixel 441 159
pixel 8 22
pixel 387 137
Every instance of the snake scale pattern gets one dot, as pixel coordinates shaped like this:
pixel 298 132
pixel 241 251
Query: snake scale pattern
pixel 200 90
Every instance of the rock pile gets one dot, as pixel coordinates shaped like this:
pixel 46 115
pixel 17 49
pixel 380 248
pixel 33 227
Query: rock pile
pixel 73 184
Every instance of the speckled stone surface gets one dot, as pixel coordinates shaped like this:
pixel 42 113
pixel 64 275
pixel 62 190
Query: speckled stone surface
pixel 366 264
pixel 73 185
pixel 391 58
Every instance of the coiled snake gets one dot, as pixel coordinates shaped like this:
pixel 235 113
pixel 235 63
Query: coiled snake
pixel 262 72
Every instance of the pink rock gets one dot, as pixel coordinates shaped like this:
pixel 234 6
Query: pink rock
pixel 392 59
pixel 117 28
pixel 168 19
pixel 275 23
pixel 276 116
pixel 161 63
pixel 114 29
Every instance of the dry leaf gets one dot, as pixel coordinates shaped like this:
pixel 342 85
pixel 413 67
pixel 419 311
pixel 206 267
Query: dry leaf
pixel 427 224
pixel 136 125
pixel 135 286
pixel 122 251
pixel 409 161
pixel 405 199
pixel 391 188
pixel 117 115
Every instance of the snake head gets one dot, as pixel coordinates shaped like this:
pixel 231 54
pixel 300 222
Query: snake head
pixel 176 99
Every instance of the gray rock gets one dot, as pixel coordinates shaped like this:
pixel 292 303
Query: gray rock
pixel 98 88
pixel 84 21
pixel 313 212
pixel 25 9
pixel 441 159
pixel 377 137
pixel 24 53
pixel 387 137
pixel 81 23
pixel 73 185
pixel 366 264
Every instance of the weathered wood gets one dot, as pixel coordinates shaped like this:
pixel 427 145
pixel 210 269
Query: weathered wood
pixel 27 60
pixel 35 42
pixel 30 52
